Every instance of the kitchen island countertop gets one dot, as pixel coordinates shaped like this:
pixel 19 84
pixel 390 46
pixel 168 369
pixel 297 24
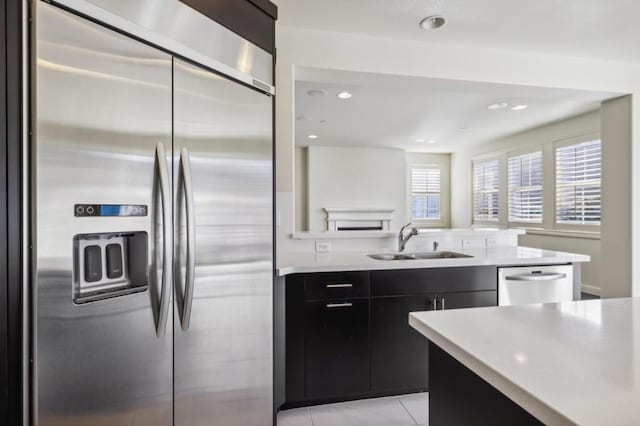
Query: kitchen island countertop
pixel 565 363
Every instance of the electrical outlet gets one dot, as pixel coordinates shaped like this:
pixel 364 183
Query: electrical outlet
pixel 323 246
pixel 474 243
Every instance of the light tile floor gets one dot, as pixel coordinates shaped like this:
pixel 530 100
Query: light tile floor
pixel 403 410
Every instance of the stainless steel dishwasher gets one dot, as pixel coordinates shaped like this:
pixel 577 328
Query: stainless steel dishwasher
pixel 535 284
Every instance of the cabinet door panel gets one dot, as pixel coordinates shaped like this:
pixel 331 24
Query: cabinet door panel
pixel 469 299
pixel 399 354
pixel 336 346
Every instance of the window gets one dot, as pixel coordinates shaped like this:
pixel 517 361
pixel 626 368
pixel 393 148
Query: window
pixel 525 188
pixel 578 192
pixel 485 190
pixel 425 192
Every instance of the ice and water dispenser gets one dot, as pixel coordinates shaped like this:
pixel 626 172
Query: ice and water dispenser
pixel 109 264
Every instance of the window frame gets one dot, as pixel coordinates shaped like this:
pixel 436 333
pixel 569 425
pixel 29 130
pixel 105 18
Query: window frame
pixel 548 225
pixel 425 221
pixel 527 224
pixel 589 228
pixel 486 159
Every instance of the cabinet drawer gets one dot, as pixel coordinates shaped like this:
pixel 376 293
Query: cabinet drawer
pixel 436 280
pixel 336 285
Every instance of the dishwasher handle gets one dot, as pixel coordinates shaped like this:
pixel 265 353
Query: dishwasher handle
pixel 537 276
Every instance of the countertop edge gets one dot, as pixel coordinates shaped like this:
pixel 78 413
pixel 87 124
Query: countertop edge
pixel 446 263
pixel 536 407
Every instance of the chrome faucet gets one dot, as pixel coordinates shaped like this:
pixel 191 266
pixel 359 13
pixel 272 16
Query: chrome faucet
pixel 402 240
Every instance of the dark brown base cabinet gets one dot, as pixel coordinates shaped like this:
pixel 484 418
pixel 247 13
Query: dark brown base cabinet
pixel 459 397
pixel 336 348
pixel 348 336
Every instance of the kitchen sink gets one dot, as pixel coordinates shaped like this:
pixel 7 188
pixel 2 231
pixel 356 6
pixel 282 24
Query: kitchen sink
pixel 391 256
pixel 418 256
pixel 439 255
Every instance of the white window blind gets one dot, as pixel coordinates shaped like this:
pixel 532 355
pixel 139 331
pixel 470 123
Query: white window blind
pixel 425 193
pixel 525 188
pixel 485 190
pixel 578 177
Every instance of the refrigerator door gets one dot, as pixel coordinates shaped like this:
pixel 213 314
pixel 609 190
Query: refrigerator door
pixel 222 329
pixel 103 116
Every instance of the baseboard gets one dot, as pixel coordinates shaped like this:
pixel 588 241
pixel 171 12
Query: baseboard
pixel 590 289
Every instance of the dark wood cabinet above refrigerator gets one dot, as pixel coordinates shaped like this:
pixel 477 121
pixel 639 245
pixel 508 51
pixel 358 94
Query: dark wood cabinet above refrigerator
pixel 254 20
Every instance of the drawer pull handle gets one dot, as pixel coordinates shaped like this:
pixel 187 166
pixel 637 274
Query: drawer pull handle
pixel 339 305
pixel 537 276
pixel 345 285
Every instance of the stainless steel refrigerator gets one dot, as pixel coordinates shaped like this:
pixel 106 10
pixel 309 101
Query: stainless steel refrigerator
pixel 152 222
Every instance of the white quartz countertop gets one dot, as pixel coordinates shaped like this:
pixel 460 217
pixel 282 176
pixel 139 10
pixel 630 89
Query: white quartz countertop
pixel 291 263
pixel 565 363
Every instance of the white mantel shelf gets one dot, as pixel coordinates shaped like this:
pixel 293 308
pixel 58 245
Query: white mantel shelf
pixel 358 217
pixel 565 363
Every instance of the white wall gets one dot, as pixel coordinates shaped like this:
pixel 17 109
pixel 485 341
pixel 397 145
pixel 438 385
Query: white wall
pixel 355 177
pixel 302 187
pixel 616 197
pixel 365 177
pixel 323 49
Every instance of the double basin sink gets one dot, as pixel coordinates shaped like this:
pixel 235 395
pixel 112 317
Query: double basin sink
pixel 418 256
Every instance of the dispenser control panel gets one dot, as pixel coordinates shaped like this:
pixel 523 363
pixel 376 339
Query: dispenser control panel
pixel 109 210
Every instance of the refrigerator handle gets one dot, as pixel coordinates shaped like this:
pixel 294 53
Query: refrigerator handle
pixel 167 257
pixel 186 187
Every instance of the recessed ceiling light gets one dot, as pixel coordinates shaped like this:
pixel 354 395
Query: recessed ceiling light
pixel 344 95
pixel 433 22
pixel 499 105
pixel 316 92
pixel 520 107
pixel 419 140
pixel 520 357
pixel 313 136
pixel 431 141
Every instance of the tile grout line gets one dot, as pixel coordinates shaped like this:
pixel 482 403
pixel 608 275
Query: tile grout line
pixel 407 410
pixel 310 416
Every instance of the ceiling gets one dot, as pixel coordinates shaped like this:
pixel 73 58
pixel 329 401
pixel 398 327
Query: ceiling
pixel 586 28
pixel 395 111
